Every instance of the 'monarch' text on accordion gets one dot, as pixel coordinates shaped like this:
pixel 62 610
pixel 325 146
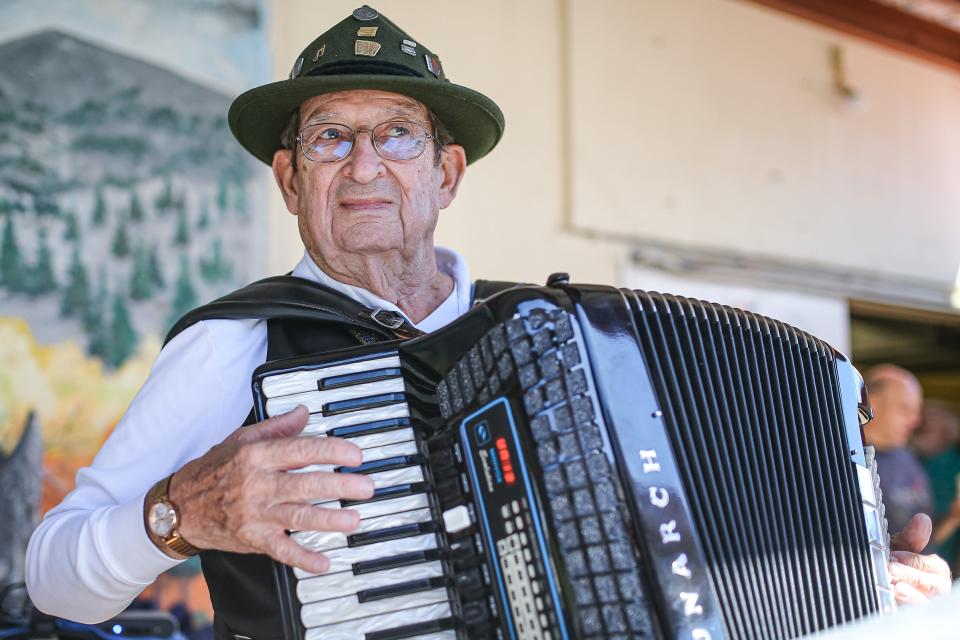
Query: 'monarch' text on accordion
pixel 587 462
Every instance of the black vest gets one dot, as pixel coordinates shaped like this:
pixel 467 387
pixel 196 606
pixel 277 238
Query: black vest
pixel 303 317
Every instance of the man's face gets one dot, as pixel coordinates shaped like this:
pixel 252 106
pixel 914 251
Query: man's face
pixel 364 204
pixel 896 408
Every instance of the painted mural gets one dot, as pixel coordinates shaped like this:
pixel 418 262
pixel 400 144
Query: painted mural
pixel 124 202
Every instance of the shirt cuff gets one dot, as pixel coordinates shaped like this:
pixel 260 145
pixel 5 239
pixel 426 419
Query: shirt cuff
pixel 130 554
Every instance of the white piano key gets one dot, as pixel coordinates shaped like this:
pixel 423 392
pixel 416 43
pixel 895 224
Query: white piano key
pixel 349 608
pixel 318 423
pixel 357 629
pixel 383 507
pixel 315 400
pixel 284 384
pixel 449 634
pixel 383 438
pixel 335 585
pixel 381 480
pixel 344 558
pixel 326 540
pixel 392 505
pixel 369 455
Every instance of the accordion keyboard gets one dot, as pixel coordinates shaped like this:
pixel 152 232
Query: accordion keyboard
pixel 387 579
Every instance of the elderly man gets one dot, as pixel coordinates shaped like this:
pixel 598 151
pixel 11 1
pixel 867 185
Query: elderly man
pixel 368 142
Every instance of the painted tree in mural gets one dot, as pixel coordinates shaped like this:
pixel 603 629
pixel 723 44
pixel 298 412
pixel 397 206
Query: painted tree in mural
pixel 99 215
pixel 215 268
pixel 165 201
pixel 121 242
pixel 182 235
pixel 41 279
pixel 240 200
pixel 223 194
pixel 95 321
pixel 76 293
pixel 71 232
pixel 136 208
pixel 156 271
pixel 11 262
pixel 185 295
pixel 141 284
pixel 124 338
pixel 203 222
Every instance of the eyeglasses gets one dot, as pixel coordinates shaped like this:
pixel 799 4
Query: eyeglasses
pixel 393 140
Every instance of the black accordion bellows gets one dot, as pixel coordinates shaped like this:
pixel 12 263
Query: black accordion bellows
pixel 587 462
pixel 755 422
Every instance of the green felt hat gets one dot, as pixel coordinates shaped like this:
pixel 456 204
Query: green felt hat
pixel 366 51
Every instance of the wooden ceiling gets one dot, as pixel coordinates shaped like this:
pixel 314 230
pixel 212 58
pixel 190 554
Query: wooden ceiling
pixel 928 29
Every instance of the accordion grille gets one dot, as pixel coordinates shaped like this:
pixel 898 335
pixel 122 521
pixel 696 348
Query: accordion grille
pixel 753 411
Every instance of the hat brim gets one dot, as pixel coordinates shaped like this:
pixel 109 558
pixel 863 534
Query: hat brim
pixel 258 117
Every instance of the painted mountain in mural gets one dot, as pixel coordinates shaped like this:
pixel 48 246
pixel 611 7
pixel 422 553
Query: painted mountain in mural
pixel 124 200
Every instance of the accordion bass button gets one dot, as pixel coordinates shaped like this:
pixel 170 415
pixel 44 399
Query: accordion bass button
pixel 450 493
pixel 476 614
pixel 457 519
pixel 470 584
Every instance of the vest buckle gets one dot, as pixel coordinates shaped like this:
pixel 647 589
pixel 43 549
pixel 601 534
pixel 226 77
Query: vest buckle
pixel 387 319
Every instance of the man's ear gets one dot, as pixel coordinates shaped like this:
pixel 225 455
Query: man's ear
pixel 286 174
pixel 453 164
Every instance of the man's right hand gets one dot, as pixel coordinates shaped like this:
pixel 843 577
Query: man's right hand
pixel 238 496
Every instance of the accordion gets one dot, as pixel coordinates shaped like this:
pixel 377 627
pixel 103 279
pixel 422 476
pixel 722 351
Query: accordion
pixel 588 462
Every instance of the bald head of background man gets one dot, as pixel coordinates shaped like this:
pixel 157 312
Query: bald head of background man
pixel 897 400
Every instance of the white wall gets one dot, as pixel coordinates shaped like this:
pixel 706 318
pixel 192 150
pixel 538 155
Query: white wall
pixel 706 122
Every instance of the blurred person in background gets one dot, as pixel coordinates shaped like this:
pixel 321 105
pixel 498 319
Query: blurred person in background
pixel 936 444
pixel 897 399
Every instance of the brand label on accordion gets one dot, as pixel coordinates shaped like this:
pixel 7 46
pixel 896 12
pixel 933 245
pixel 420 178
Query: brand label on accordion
pixel 510 524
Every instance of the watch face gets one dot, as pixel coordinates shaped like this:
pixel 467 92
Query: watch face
pixel 162 519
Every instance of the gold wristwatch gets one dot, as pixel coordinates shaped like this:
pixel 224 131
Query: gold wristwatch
pixel 162 521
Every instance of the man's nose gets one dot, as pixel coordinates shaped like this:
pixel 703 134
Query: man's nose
pixel 364 164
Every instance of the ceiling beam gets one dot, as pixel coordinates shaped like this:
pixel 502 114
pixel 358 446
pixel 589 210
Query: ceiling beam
pixel 881 24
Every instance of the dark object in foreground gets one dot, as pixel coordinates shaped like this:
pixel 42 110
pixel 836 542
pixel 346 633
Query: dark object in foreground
pixel 581 461
pixel 19 620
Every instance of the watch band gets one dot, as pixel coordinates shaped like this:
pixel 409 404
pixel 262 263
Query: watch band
pixel 172 544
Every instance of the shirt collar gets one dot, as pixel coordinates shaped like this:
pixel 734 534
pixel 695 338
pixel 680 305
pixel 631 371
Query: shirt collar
pixel 448 261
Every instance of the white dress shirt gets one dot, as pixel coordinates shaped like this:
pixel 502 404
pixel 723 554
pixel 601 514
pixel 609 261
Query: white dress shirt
pixel 90 556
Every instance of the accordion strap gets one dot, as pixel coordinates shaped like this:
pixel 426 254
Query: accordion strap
pixel 292 298
pixel 287 298
pixel 483 289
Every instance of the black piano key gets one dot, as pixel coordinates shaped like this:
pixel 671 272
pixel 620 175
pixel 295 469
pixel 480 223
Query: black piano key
pixel 391 533
pixel 402 589
pixel 414 630
pixel 402 560
pixel 349 379
pixel 385 464
pixel 368 402
pixel 385 493
pixel 368 428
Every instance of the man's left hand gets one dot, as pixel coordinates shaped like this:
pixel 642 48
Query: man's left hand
pixel 916 578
